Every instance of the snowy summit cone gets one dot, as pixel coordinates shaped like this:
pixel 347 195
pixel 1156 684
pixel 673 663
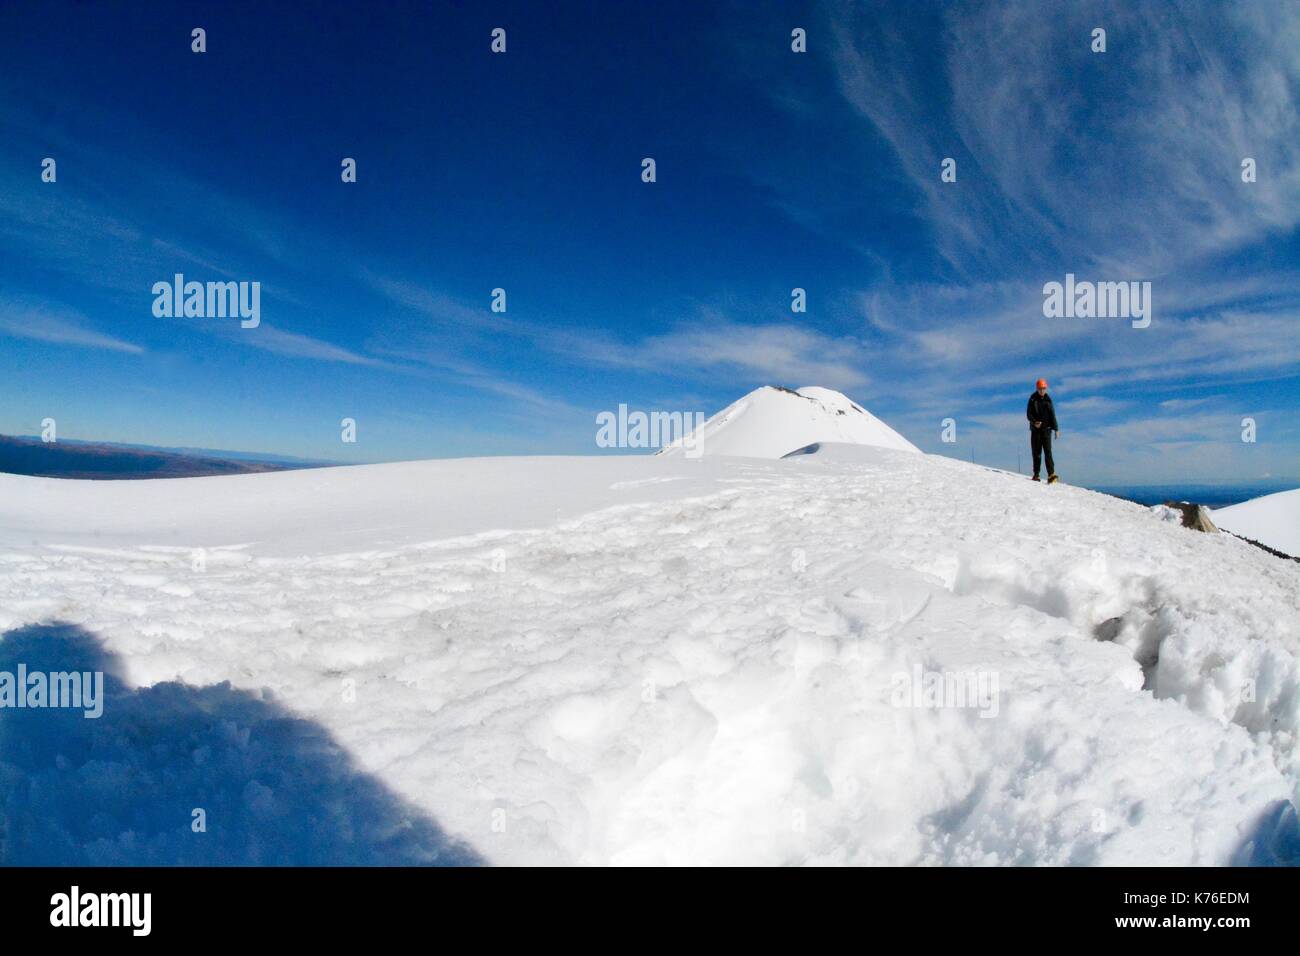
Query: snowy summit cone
pixel 771 422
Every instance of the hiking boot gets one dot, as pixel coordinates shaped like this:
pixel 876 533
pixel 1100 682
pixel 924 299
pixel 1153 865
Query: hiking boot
pixel 1035 478
pixel 1052 479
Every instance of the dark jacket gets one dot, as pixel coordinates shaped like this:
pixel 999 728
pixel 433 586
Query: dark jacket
pixel 1040 410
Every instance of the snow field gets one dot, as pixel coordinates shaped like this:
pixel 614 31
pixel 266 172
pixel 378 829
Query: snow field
pixel 1273 520
pixel 709 674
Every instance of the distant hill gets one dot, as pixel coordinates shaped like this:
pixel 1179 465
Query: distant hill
pixel 70 458
pixel 773 421
pixel 1273 520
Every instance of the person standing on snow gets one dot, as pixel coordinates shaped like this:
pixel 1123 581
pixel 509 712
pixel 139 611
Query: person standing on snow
pixel 1042 423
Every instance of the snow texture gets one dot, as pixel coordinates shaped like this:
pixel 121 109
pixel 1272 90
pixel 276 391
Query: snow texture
pixel 643 660
pixel 1273 520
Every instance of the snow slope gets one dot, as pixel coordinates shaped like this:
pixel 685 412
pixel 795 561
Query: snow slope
pixel 1273 520
pixel 692 662
pixel 771 422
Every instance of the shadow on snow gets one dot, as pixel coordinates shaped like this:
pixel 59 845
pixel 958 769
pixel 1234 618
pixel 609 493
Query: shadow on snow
pixel 122 789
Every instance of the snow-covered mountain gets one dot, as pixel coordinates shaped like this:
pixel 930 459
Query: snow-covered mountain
pixel 1273 520
pixel 865 656
pixel 771 422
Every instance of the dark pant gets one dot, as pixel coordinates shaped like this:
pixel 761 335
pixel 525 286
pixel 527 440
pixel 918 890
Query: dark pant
pixel 1040 441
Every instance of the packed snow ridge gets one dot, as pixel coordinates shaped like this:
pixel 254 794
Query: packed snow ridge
pixel 772 422
pixel 861 656
pixel 1273 520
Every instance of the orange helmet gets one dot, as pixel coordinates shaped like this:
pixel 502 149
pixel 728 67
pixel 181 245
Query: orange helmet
pixel 1041 383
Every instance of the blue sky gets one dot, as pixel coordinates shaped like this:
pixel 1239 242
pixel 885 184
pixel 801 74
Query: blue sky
pixel 775 170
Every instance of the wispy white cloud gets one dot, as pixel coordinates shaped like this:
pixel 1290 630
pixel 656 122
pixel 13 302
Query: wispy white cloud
pixel 432 304
pixel 699 346
pixel 467 374
pixel 778 354
pixel 997 335
pixel 294 345
pixel 1178 404
pixel 1164 118
pixel 58 327
pixel 448 329
pixel 1098 405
